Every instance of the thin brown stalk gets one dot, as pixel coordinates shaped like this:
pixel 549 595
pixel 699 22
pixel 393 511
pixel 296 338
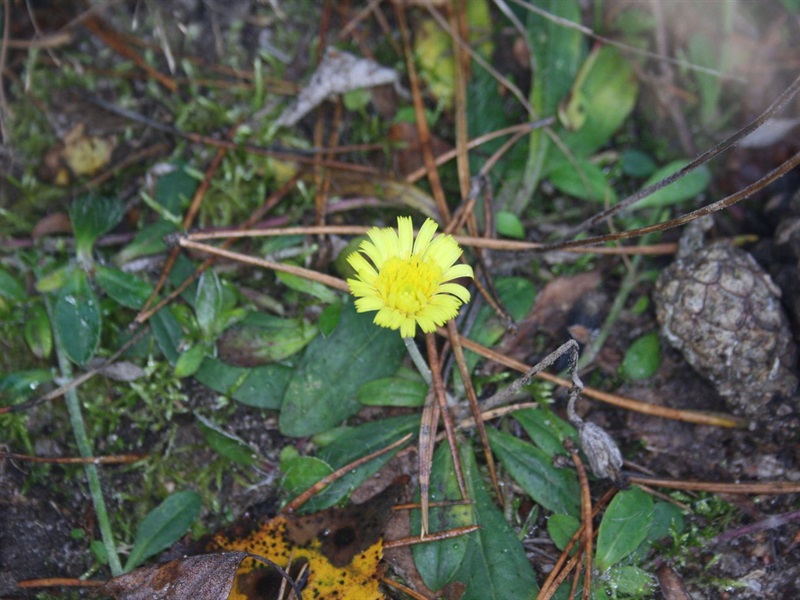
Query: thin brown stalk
pixel 119 459
pixel 427 443
pixel 188 220
pixel 613 399
pixel 422 123
pixel 49 582
pixel 773 487
pixel 586 516
pixel 268 205
pixel 447 417
pixel 742 194
pixel 431 537
pixel 404 589
pixel 564 564
pixel 514 130
pixel 333 282
pixel 464 240
pixel 472 397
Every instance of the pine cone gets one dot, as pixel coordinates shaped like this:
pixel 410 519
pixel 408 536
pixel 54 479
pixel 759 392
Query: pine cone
pixel 722 311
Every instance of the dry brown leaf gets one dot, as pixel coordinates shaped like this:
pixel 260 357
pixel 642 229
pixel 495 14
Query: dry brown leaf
pixel 203 577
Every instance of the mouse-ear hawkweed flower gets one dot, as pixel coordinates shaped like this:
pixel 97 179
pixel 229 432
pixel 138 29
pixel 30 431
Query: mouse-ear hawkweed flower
pixel 409 282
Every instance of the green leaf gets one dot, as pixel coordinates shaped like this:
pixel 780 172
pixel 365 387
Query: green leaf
pixel 685 188
pixel 301 472
pixel 555 489
pixel 306 286
pixel 128 290
pixel 637 164
pixel 495 566
pixel 557 53
pixel 624 526
pixel 164 526
pixel 190 360
pixel 167 332
pixel 705 53
pixel 666 518
pixel 261 387
pixel 585 180
pixel 356 443
pixel 24 383
pixel 78 319
pixel 561 529
pixel 545 429
pixel 55 280
pixel 321 393
pixel 10 288
pixel 393 391
pixel 509 225
pixel 149 240
pixel 208 303
pixel 174 190
pixel 438 562
pixel 38 333
pixel 630 581
pixel 517 295
pixel 261 338
pixel 225 443
pixel 603 95
pixel 329 318
pixel 91 217
pixel 642 358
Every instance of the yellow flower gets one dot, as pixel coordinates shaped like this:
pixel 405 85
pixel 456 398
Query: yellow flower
pixel 408 282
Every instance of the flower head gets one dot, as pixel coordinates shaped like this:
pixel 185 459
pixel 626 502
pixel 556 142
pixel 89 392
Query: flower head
pixel 409 282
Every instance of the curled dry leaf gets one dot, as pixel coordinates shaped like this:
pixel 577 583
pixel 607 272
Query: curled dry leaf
pixel 203 577
pixel 338 73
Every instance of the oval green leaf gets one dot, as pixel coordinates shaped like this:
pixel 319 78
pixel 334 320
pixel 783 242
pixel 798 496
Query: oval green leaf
pixel 583 180
pixel 91 217
pixel 561 529
pixel 437 562
pixel 555 489
pixel 78 319
pixel 322 391
pixel 301 472
pixel 209 303
pixel 393 391
pixel 128 290
pixel 306 286
pixel 685 188
pixel 225 443
pixel 38 333
pixel 260 339
pixel 261 387
pixel 624 526
pixel 642 358
pixel 189 361
pixel 356 443
pixel 164 526
pixel 10 288
pixel 546 430
pixel 509 225
pixel 602 96
pixel 495 566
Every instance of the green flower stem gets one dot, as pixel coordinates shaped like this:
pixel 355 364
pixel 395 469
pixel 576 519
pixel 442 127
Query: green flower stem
pixel 85 449
pixel 416 358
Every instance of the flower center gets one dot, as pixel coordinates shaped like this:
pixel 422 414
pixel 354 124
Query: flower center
pixel 408 284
